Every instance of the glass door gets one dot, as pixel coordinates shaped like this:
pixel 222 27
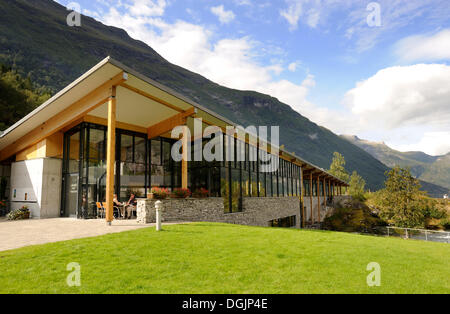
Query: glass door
pixel 71 174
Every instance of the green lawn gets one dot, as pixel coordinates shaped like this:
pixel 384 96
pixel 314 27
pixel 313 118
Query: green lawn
pixel 220 258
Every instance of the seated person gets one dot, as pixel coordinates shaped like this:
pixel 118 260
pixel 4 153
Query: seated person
pixel 119 205
pixel 131 205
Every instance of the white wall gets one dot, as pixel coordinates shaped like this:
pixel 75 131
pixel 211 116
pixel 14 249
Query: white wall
pixel 37 184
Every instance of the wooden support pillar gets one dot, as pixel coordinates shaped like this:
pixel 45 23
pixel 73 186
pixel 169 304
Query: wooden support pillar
pixel 184 162
pixel 311 197
pixel 110 156
pixel 329 188
pixel 302 198
pixel 318 199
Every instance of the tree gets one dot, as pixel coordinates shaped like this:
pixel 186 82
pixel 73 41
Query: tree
pixel 18 96
pixel 337 167
pixel 402 201
pixel 357 186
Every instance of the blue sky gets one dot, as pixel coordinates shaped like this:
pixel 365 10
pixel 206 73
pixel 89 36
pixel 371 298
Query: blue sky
pixel 388 82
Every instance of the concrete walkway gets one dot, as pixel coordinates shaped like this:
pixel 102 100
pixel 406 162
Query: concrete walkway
pixel 16 234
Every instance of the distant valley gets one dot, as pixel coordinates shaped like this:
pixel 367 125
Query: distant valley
pixel 430 169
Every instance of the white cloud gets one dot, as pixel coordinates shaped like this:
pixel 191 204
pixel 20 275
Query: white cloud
pixel 433 47
pixel 411 101
pixel 433 143
pixel 292 13
pixel 294 66
pixel 229 62
pixel 224 16
pixel 147 7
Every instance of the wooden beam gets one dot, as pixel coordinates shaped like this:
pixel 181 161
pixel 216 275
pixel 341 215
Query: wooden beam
pixel 77 110
pixel 311 195
pixel 302 195
pixel 110 156
pixel 184 161
pixel 119 125
pixel 149 96
pixel 318 199
pixel 170 123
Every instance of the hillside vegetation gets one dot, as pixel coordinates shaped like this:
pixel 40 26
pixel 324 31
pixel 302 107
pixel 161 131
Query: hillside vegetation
pixel 433 171
pixel 35 39
pixel 18 96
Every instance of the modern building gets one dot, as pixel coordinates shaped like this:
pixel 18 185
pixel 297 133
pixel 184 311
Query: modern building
pixel 109 132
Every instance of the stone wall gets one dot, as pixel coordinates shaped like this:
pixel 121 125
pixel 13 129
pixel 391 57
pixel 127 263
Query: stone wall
pixel 256 211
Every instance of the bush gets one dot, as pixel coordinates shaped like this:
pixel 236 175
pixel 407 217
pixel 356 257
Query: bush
pixel 353 217
pixel 201 193
pixel 19 214
pixel 181 193
pixel 446 223
pixel 160 193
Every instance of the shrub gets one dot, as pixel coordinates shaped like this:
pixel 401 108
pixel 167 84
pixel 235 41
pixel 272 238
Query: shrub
pixel 19 214
pixel 160 193
pixel 201 193
pixel 181 193
pixel 354 216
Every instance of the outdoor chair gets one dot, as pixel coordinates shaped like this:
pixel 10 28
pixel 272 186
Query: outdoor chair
pixel 100 210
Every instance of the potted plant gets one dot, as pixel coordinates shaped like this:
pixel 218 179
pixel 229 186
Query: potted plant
pixel 19 214
pixel 201 193
pixel 158 193
pixel 181 193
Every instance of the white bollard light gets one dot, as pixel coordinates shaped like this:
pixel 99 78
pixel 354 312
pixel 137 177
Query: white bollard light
pixel 158 206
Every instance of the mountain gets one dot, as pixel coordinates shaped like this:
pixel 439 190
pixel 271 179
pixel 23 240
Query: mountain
pixel 36 41
pixel 433 171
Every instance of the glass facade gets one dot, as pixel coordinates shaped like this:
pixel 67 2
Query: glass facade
pixel 142 164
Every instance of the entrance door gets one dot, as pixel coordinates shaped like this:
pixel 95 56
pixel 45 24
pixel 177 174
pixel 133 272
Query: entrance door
pixel 71 193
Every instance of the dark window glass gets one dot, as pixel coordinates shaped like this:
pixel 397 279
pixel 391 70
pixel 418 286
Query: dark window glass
pixel 126 148
pixel 156 152
pixel 236 205
pixel 245 183
pixel 262 185
pixel 139 150
pixel 269 185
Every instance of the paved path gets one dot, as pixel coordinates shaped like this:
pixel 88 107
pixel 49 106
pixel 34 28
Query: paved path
pixel 16 234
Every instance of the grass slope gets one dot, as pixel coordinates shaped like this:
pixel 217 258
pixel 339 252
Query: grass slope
pixel 220 258
pixel 34 37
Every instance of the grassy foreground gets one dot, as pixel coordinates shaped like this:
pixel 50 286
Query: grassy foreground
pixel 220 258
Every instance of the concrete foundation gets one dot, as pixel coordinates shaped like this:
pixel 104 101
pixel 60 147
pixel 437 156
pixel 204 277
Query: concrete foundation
pixel 36 184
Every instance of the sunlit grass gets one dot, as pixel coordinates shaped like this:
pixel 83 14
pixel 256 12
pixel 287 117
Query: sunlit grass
pixel 220 258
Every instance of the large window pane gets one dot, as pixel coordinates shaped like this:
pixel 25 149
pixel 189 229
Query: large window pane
pixel 139 150
pixel 126 148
